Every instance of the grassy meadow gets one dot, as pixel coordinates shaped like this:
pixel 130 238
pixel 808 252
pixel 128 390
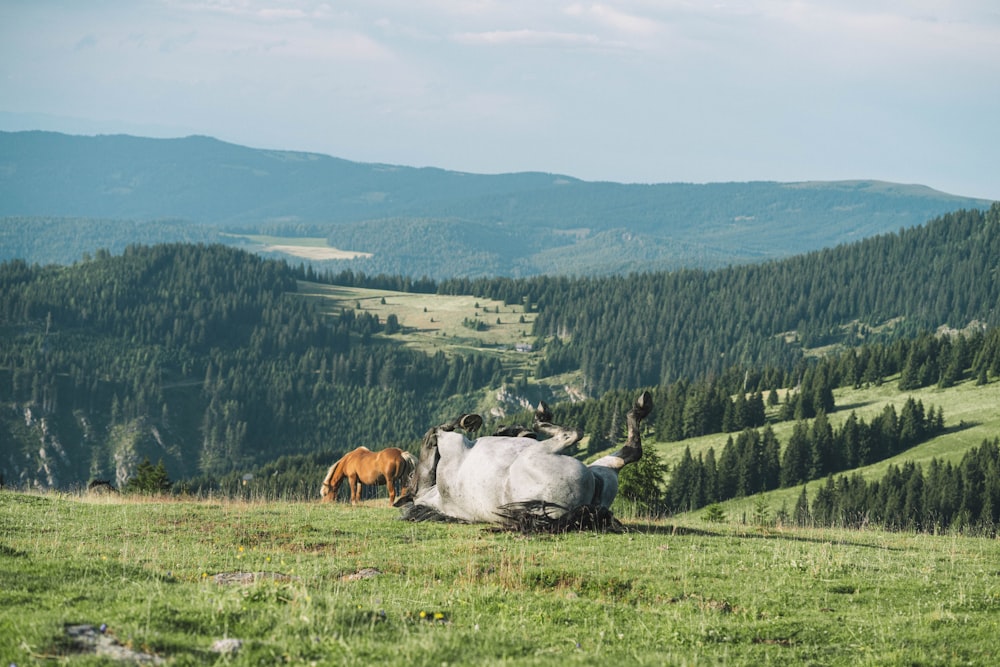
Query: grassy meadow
pixel 971 415
pixel 305 583
pixel 314 248
pixel 435 322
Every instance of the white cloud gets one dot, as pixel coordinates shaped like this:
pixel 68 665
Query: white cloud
pixel 615 89
pixel 526 37
pixel 615 19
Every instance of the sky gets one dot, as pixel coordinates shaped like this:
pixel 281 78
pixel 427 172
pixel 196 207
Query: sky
pixel 632 91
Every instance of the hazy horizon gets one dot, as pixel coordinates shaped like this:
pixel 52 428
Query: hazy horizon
pixel 627 91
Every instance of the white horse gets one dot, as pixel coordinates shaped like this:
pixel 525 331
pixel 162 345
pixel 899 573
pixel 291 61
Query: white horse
pixel 518 480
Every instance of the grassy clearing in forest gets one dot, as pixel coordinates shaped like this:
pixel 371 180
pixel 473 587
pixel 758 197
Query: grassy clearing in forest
pixel 337 584
pixel 438 323
pixel 314 248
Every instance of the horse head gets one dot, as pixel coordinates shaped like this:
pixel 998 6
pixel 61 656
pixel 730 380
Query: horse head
pixel 424 476
pixel 328 489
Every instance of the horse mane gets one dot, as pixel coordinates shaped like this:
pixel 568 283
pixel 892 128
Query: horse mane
pixel 414 512
pixel 533 516
pixel 409 465
pixel 326 488
pixel 536 516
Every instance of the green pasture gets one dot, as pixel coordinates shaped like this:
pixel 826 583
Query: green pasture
pixel 971 413
pixel 436 323
pixel 303 247
pixel 305 583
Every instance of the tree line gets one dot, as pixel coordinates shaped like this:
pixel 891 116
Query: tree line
pixel 655 329
pixel 208 353
pixel 205 356
pixel 943 496
pixel 754 461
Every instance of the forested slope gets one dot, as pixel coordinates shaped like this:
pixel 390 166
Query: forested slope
pixel 650 329
pixel 202 356
pixel 205 357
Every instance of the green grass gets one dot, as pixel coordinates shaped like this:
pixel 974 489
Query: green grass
pixel 971 412
pixel 433 323
pixel 315 248
pixel 663 593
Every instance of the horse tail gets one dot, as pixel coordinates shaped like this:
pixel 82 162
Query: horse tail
pixel 328 489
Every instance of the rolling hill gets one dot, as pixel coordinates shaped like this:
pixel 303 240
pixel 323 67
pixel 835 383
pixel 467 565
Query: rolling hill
pixel 62 196
pixel 218 361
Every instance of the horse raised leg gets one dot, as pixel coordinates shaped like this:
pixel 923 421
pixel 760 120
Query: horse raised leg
pixel 631 451
pixel 560 438
pixel 606 468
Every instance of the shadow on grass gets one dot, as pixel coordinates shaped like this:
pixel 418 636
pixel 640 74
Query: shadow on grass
pixel 679 531
pixel 962 425
pixel 848 407
pixel 683 531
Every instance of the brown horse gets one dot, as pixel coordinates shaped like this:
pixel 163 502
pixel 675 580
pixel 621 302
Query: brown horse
pixel 363 466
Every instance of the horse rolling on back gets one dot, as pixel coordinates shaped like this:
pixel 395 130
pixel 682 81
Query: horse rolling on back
pixel 519 481
pixel 363 466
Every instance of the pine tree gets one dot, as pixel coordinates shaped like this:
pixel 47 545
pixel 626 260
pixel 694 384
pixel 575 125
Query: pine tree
pixel 823 459
pixel 802 516
pixel 149 479
pixel 796 457
pixel 644 482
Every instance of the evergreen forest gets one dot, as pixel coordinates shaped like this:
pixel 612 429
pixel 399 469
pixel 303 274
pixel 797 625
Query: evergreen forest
pixel 205 359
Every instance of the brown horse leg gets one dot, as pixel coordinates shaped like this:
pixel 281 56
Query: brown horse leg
pixel 355 488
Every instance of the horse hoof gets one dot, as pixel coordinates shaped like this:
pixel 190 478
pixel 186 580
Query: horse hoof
pixel 471 422
pixel 643 405
pixel 403 500
pixel 543 415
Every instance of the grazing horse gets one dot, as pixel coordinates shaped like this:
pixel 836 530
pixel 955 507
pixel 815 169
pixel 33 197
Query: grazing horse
pixel 363 466
pixel 519 481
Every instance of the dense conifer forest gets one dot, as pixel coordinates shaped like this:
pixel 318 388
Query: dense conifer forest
pixel 204 357
pixel 945 496
pixel 653 329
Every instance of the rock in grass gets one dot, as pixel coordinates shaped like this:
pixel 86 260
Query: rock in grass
pixel 227 646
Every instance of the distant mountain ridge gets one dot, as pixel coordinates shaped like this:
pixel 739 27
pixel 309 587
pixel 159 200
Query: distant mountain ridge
pixel 427 221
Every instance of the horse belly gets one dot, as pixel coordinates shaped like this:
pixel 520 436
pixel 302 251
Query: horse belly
pixel 479 494
pixel 554 479
pixel 476 488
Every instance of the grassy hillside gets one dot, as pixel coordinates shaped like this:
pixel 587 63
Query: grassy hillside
pixel 85 580
pixel 972 414
pixel 435 323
